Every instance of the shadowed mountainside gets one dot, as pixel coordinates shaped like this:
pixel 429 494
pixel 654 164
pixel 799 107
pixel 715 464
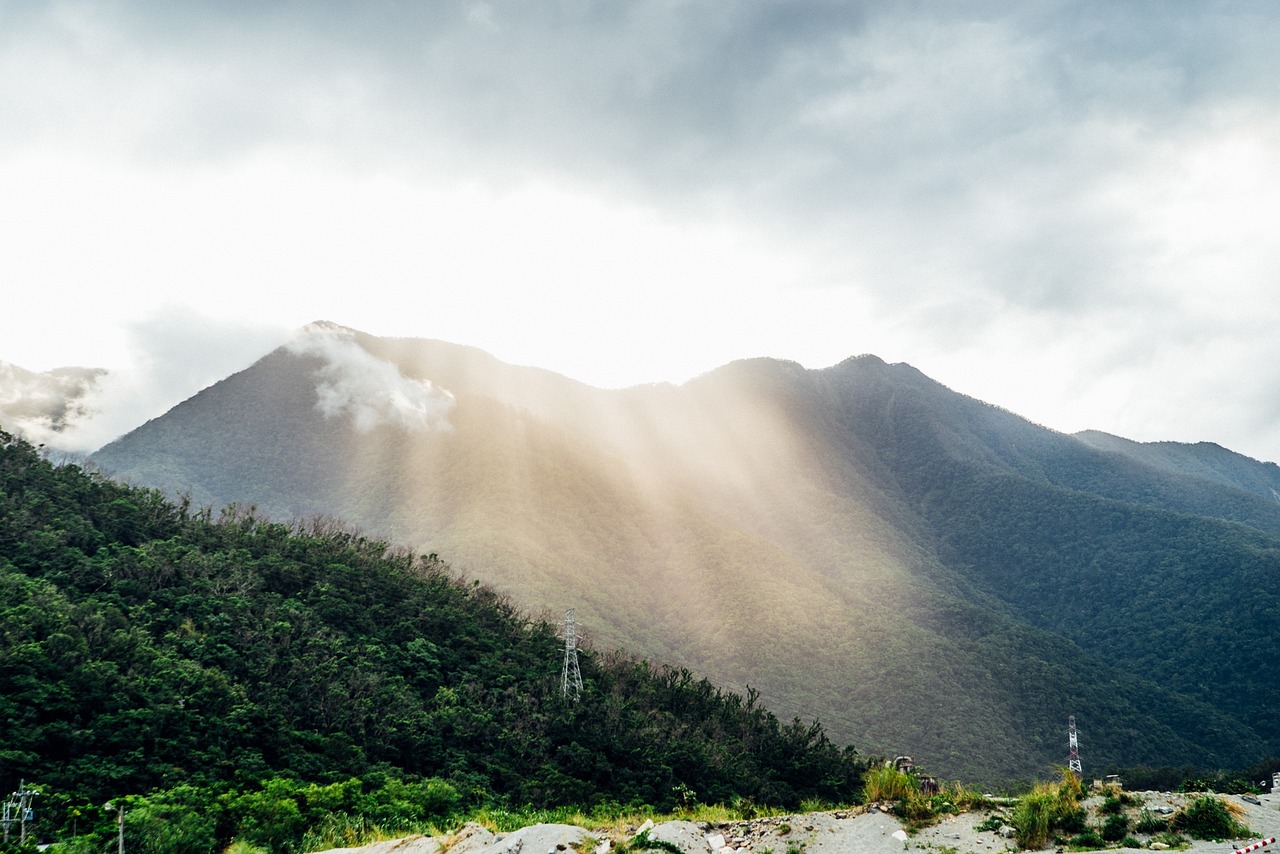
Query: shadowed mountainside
pixel 920 570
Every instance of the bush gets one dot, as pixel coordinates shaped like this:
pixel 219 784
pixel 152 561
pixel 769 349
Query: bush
pixel 1149 822
pixel 1073 822
pixel 1111 806
pixel 1115 828
pixel 1207 817
pixel 1087 840
pixel 1173 840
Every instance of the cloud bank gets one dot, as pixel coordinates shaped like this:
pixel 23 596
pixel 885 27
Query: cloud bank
pixel 42 406
pixel 1064 208
pixel 371 391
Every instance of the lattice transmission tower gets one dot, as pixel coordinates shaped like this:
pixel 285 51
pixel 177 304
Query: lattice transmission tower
pixel 1073 757
pixel 571 676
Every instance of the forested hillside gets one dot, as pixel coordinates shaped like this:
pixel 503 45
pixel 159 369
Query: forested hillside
pixel 1162 561
pixel 148 645
pixel 921 571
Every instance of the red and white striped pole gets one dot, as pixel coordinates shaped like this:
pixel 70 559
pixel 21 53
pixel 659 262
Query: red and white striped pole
pixel 1255 846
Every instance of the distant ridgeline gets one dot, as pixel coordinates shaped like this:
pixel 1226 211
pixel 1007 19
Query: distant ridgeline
pixel 149 645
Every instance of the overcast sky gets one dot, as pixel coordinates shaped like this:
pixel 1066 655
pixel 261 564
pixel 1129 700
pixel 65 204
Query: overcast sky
pixel 1067 209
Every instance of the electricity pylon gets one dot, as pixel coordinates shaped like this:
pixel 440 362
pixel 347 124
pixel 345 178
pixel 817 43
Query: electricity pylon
pixel 571 676
pixel 1073 758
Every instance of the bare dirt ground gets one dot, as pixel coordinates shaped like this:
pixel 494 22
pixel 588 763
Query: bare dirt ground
pixel 856 831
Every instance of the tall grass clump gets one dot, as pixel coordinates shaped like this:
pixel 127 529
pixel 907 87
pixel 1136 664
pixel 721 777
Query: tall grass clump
pixel 887 783
pixel 1044 808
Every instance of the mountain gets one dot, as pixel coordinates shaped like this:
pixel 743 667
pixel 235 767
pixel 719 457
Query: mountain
pixel 148 646
pixel 921 571
pixel 1203 459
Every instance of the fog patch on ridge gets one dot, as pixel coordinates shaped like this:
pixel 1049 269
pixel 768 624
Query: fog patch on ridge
pixel 372 391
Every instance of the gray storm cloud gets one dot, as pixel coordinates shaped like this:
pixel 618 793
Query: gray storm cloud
pixel 41 406
pixel 370 390
pixel 998 193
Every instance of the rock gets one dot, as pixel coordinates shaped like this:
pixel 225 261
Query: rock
pixel 1159 846
pixel 1007 831
pixel 685 835
pixel 548 838
pixel 648 825
pixel 716 841
pixel 604 847
pixel 472 837
pixel 900 834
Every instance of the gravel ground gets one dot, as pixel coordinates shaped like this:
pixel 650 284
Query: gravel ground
pixel 856 831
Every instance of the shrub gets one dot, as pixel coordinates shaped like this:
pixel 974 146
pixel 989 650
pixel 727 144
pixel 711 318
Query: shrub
pixel 1207 817
pixel 1115 828
pixel 1087 840
pixel 1111 806
pixel 965 797
pixel 1173 840
pixel 1149 822
pixel 1072 822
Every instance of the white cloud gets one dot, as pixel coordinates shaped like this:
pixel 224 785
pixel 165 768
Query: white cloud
pixel 42 407
pixel 372 391
pixel 1059 207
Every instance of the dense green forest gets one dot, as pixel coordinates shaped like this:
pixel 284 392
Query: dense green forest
pixel 1163 575
pixel 220 659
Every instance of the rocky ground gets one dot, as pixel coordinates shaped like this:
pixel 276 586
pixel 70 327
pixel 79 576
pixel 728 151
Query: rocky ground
pixel 868 830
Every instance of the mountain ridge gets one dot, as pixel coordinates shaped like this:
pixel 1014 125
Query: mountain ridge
pixel 807 532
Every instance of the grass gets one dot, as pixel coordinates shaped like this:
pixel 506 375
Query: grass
pixel 242 847
pixel 887 784
pixel 1209 817
pixel 1046 807
pixel 347 831
pixel 1150 823
pixel 613 820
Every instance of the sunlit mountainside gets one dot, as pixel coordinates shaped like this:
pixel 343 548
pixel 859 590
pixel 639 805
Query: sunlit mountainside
pixel 919 570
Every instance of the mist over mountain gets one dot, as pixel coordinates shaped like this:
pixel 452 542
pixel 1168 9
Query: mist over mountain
pixel 42 405
pixel 919 570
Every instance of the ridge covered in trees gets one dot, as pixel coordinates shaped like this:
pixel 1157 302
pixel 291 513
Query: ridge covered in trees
pixel 149 645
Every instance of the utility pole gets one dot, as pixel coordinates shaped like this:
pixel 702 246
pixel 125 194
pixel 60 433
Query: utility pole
pixel 570 676
pixel 1073 758
pixel 18 809
pixel 119 822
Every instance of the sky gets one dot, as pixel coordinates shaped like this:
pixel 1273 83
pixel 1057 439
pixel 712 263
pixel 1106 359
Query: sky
pixel 1065 209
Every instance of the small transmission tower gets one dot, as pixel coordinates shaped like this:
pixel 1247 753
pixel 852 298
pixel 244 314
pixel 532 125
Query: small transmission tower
pixel 1073 758
pixel 571 676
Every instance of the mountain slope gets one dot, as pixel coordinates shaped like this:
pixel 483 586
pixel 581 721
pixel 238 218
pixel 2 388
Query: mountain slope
pixel 1203 459
pixel 147 646
pixel 859 543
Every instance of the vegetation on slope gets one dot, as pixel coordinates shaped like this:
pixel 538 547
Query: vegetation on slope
pixel 860 544
pixel 147 646
pixel 1168 578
